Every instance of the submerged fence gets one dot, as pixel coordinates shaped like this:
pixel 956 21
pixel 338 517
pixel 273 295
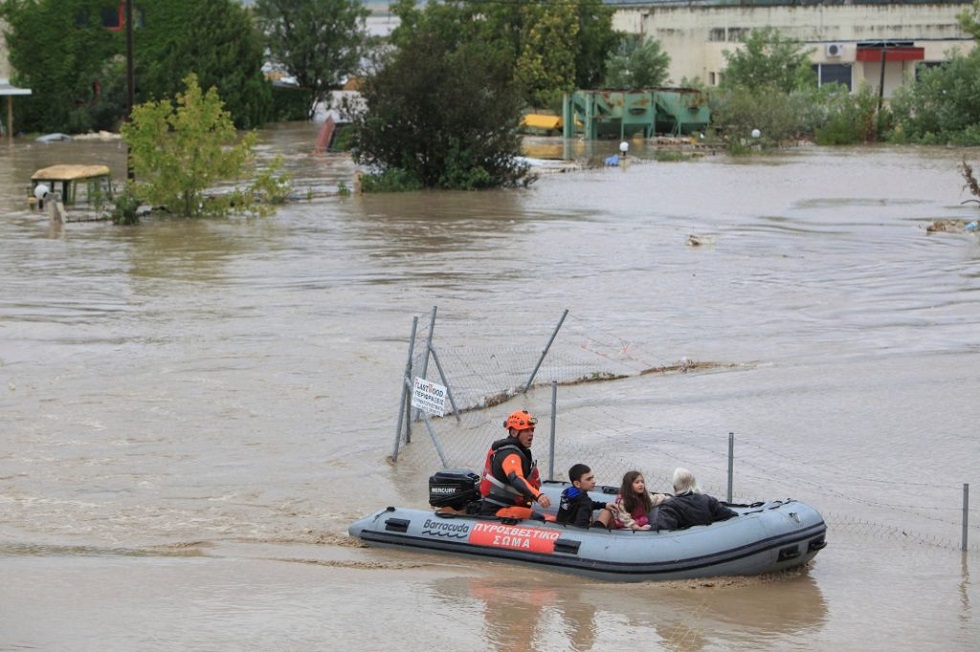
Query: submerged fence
pixel 557 371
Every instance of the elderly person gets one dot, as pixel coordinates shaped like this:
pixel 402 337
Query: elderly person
pixel 689 506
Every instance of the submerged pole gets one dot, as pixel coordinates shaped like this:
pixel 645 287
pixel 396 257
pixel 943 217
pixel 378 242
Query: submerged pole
pixel 130 82
pixel 966 514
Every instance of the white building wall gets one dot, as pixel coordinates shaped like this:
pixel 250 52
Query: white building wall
pixel 697 37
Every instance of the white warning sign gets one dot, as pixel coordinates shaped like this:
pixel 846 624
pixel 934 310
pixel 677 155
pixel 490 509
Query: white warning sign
pixel 429 397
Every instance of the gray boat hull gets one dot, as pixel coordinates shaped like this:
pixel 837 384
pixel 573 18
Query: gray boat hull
pixel 764 538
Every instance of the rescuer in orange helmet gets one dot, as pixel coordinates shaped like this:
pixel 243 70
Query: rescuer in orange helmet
pixel 511 482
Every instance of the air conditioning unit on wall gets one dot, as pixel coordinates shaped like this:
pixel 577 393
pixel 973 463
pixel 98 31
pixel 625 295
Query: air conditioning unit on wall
pixel 834 49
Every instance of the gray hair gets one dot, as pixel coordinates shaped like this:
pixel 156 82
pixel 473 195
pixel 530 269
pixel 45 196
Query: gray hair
pixel 684 481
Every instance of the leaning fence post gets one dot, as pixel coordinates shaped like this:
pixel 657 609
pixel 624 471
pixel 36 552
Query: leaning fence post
pixel 554 423
pixel 406 383
pixel 547 346
pixel 731 463
pixel 966 513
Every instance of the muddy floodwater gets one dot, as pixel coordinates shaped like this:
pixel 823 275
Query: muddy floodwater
pixel 194 412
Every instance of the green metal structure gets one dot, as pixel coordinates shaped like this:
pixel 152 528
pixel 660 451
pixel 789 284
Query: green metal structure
pixel 623 114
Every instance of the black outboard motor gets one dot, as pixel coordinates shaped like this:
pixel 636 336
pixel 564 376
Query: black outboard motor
pixel 455 488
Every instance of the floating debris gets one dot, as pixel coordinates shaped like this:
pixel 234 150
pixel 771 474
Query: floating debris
pixel 700 240
pixel 951 226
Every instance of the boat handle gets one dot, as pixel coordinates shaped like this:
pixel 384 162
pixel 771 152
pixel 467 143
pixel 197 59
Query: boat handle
pixel 397 524
pixel 567 546
pixel 790 552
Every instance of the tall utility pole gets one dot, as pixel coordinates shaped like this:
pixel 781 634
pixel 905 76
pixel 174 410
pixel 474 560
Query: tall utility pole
pixel 130 80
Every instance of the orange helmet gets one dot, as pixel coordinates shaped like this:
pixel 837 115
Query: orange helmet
pixel 520 420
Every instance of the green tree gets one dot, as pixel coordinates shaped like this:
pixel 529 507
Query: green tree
pixel 638 62
pixel 970 20
pixel 76 68
pixel 217 40
pixel 59 50
pixel 181 151
pixel 554 45
pixel 319 42
pixel 768 59
pixel 595 41
pixel 544 69
pixel 440 113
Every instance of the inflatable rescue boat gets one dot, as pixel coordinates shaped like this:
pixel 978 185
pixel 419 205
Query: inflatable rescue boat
pixel 765 537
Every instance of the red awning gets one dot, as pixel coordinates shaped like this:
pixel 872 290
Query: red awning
pixel 899 53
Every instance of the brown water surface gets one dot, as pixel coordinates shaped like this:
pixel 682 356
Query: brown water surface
pixel 194 412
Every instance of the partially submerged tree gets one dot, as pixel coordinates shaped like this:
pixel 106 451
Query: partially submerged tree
pixel 971 183
pixel 182 151
pixel 319 42
pixel 638 62
pixel 440 113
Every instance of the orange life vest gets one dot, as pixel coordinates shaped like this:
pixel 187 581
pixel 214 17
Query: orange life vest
pixel 496 486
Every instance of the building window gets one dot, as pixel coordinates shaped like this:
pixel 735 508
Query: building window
pixel 738 34
pixel 712 79
pixel 834 73
pixel 717 35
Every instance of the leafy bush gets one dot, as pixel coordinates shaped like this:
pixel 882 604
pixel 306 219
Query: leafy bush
pixel 942 106
pixel 391 180
pixel 126 206
pixel 739 111
pixel 850 118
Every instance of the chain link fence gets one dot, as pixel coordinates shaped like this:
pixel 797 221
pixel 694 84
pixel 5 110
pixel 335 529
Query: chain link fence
pixel 556 376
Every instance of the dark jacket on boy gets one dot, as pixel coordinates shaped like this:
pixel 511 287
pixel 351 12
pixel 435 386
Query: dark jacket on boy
pixel 576 507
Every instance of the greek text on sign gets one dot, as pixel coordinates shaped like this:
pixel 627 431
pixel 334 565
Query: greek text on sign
pixel 514 537
pixel 429 397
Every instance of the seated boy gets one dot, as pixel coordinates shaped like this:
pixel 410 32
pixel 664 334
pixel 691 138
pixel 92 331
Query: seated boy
pixel 576 505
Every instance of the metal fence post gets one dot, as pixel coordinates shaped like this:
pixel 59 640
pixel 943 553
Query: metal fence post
pixel 406 384
pixel 428 351
pixel 731 463
pixel 554 425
